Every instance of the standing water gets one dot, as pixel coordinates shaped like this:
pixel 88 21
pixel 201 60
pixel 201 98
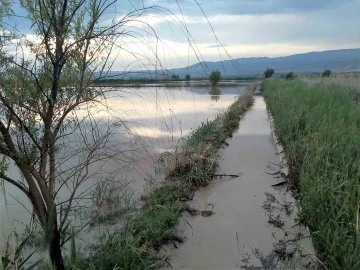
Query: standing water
pixel 252 222
pixel 153 120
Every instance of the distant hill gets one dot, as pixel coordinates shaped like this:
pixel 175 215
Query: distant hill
pixel 337 60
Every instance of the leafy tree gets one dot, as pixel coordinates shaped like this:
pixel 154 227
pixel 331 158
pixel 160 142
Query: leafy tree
pixel 269 72
pixel 188 77
pixel 289 76
pixel 215 77
pixel 175 77
pixel 326 73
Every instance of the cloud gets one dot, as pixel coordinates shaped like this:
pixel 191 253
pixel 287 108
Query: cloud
pixel 217 46
pixel 242 7
pixel 252 27
pixel 322 27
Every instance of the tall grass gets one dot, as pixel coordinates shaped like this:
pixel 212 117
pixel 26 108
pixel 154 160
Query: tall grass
pixel 346 82
pixel 319 126
pixel 192 165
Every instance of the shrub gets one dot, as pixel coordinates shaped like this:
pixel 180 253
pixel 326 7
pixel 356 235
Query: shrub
pixel 326 73
pixel 215 77
pixel 289 76
pixel 269 72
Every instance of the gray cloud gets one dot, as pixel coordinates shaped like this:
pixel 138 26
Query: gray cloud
pixel 217 46
pixel 339 25
pixel 290 26
pixel 242 7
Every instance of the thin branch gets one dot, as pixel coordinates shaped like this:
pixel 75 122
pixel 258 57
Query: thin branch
pixel 18 184
pixel 12 111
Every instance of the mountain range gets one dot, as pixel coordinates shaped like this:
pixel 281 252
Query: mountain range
pixel 346 60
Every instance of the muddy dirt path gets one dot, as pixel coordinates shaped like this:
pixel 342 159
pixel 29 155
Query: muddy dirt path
pixel 253 225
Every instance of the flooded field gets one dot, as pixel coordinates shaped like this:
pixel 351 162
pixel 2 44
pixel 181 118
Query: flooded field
pixel 150 120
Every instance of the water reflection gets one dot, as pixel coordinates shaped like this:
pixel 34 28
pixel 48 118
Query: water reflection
pixel 153 119
pixel 215 93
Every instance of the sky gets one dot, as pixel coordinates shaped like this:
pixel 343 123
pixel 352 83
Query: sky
pixel 253 28
pixel 233 29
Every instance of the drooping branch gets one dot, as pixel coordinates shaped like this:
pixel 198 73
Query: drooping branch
pixel 18 184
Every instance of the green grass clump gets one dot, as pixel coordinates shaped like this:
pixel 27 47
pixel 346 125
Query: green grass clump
pixel 319 127
pixel 158 224
pixel 204 132
pixel 231 118
pixel 166 193
pixel 120 250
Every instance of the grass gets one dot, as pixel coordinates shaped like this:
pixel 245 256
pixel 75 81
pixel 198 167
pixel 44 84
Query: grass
pixel 191 166
pixel 204 131
pixel 111 200
pixel 318 123
pixel 346 82
pixel 120 250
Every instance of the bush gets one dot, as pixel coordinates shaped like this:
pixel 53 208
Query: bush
pixel 326 73
pixel 188 77
pixel 269 72
pixel 215 77
pixel 175 77
pixel 289 76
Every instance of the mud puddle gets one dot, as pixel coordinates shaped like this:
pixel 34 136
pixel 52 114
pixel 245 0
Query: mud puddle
pixel 253 218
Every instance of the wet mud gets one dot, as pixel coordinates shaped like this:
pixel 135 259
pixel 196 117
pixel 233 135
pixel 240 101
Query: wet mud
pixel 253 215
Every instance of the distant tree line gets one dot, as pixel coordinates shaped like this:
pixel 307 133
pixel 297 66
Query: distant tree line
pixel 269 72
pixel 215 77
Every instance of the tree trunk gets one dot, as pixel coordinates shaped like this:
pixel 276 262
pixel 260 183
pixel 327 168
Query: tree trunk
pixel 55 248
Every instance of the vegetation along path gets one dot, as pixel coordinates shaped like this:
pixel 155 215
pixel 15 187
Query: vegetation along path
pixel 318 122
pixel 253 222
